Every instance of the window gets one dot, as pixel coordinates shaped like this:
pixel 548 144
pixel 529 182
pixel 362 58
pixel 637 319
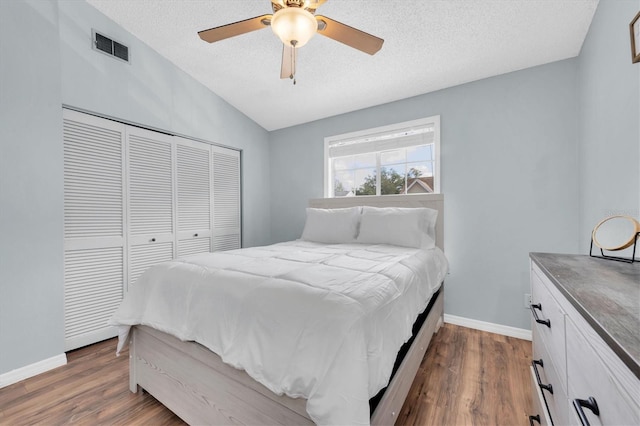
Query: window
pixel 402 158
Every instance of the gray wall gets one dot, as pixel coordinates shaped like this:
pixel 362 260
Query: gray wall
pixel 509 175
pixel 609 129
pixel 46 60
pixel 31 185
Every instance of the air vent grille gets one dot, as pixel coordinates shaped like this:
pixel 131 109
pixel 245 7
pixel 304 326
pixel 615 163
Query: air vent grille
pixel 110 47
pixel 105 44
pixel 120 51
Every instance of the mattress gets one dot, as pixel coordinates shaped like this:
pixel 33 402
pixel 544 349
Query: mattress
pixel 319 321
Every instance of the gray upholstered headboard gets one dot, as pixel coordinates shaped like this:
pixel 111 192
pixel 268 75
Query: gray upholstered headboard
pixel 432 201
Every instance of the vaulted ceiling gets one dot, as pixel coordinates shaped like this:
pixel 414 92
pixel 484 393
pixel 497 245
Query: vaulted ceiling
pixel 428 45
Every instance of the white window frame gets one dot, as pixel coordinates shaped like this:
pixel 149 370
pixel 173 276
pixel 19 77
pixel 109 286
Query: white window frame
pixel 363 134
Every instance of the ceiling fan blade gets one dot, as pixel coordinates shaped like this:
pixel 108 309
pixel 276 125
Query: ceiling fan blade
pixel 286 69
pixel 231 30
pixel 348 35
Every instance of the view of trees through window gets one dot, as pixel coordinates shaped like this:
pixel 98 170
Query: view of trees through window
pixel 398 171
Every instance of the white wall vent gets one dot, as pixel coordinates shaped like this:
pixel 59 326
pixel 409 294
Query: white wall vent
pixel 109 46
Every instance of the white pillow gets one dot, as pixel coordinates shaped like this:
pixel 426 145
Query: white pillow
pixel 331 226
pixel 407 227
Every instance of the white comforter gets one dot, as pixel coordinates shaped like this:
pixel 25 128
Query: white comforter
pixel 322 322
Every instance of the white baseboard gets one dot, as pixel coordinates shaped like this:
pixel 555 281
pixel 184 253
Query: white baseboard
pixel 505 330
pixel 14 376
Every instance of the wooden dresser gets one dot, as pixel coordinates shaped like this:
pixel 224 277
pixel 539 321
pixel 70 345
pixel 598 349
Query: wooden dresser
pixel 586 340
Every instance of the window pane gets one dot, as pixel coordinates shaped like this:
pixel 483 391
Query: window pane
pixel 343 183
pixel 392 179
pixel 420 153
pixel 420 169
pixel 366 182
pixel 420 177
pixel 393 157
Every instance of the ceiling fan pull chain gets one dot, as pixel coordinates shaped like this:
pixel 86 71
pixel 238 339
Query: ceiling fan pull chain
pixel 293 66
pixel 293 61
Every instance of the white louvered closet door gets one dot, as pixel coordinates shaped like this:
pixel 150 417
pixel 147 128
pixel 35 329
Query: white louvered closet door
pixel 150 191
pixel 193 196
pixel 226 199
pixel 134 198
pixel 94 260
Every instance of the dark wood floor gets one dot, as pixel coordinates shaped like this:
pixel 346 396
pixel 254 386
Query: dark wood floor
pixel 467 377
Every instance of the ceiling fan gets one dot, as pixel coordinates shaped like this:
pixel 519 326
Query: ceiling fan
pixel 295 22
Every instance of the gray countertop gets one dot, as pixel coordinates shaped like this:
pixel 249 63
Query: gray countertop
pixel 606 293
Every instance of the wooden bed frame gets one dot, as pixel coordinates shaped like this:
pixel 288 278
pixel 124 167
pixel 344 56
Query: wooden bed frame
pixel 195 384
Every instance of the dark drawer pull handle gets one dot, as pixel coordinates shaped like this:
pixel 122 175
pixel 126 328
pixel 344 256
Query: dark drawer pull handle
pixel 535 418
pixel 195 235
pixel 153 240
pixel 548 387
pixel 538 306
pixel 590 403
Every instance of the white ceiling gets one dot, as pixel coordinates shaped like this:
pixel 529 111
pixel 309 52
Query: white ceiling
pixel 429 45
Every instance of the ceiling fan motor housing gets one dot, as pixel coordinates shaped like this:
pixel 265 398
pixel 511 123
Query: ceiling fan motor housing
pixel 294 3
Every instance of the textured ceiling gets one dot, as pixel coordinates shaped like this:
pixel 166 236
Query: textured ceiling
pixel 429 45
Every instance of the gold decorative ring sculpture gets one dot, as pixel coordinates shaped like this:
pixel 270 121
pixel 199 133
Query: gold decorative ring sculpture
pixel 629 243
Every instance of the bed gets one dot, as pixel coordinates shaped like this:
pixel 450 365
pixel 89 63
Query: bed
pixel 322 369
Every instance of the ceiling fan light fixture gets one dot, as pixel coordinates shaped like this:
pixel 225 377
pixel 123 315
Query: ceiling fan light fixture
pixel 294 26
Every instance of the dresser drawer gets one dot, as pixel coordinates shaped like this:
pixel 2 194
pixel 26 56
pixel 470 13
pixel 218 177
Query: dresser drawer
pixel 554 393
pixel 540 413
pixel 590 376
pixel 550 324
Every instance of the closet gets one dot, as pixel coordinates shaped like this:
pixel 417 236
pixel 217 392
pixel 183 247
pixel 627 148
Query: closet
pixel 133 198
